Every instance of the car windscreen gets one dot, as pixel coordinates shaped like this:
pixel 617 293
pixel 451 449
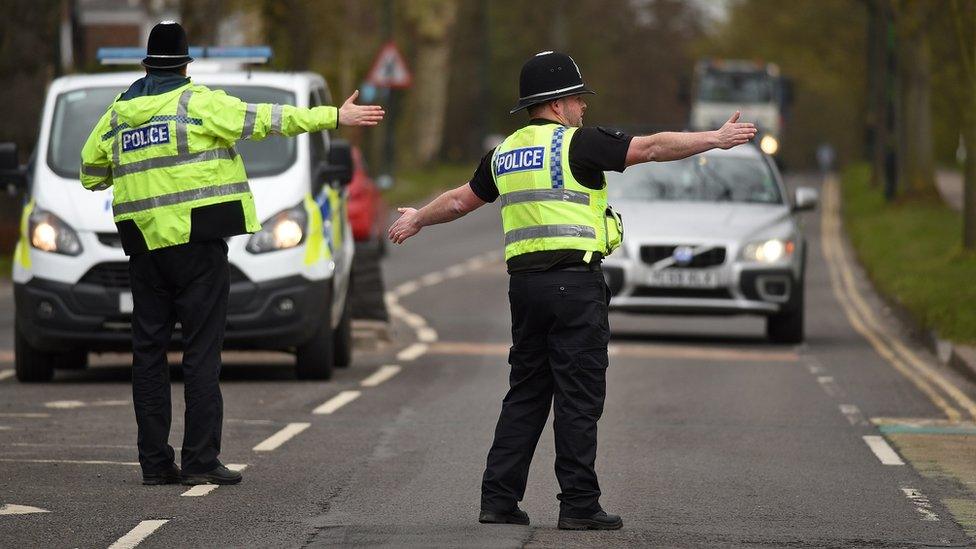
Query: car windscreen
pixel 701 178
pixel 736 87
pixel 76 113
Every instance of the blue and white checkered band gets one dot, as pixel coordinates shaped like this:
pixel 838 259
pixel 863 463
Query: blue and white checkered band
pixel 520 160
pixel 156 134
pixel 556 158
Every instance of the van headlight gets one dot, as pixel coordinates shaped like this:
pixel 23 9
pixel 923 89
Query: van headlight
pixel 49 233
pixel 768 251
pixel 769 144
pixel 283 230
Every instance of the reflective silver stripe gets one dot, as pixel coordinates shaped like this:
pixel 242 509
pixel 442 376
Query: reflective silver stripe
pixel 116 143
pixel 101 186
pixel 276 119
pixel 249 116
pixel 182 145
pixel 539 195
pixel 95 171
pixel 175 160
pixel 209 191
pixel 549 231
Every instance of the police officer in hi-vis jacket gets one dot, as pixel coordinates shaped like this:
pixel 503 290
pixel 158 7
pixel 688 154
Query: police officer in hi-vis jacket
pixel 548 179
pixel 166 146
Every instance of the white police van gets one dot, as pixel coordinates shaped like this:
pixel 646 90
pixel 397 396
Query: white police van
pixel 289 282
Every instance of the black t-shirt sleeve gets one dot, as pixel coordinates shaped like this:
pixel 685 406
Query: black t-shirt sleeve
pixel 596 150
pixel 482 183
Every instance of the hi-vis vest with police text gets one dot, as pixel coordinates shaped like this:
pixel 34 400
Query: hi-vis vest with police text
pixel 172 163
pixel 543 206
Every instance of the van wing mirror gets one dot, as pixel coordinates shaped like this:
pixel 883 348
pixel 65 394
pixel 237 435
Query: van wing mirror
pixel 338 169
pixel 805 198
pixel 11 173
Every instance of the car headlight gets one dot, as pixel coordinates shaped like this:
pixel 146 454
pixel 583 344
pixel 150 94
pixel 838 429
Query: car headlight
pixel 769 144
pixel 283 230
pixel 50 234
pixel 769 251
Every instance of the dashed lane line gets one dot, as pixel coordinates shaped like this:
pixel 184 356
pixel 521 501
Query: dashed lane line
pixel 72 461
pixel 31 415
pixel 13 509
pixel 649 351
pixel 136 536
pixel 281 437
pixel 336 402
pixel 382 374
pixel 413 352
pixel 884 452
pixel 853 415
pixel 829 385
pixel 6 374
pixel 204 489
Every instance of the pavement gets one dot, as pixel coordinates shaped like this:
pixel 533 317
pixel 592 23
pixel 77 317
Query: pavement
pixel 712 437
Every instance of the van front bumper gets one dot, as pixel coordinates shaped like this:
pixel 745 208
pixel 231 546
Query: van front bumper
pixel 272 315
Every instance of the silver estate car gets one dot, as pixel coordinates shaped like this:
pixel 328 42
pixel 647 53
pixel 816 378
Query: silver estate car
pixel 712 234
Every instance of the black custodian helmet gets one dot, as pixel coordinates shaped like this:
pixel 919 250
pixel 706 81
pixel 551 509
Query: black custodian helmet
pixel 546 76
pixel 167 48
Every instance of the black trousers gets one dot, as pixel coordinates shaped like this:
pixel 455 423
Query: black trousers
pixel 560 333
pixel 188 283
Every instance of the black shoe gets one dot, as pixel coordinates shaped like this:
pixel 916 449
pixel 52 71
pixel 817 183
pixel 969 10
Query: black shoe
pixel 169 476
pixel 517 516
pixel 218 475
pixel 598 521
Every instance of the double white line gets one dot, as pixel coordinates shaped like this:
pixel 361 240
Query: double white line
pixel 946 396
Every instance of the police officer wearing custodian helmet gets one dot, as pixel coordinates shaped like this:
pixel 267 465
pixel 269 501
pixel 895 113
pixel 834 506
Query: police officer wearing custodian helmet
pixel 166 146
pixel 548 178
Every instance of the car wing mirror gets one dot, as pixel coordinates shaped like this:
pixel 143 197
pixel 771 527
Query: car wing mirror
pixel 805 198
pixel 11 173
pixel 337 170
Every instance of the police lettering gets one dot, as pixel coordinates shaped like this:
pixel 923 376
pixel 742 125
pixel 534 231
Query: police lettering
pixel 138 138
pixel 519 160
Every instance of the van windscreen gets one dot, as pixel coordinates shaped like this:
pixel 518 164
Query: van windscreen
pixel 76 113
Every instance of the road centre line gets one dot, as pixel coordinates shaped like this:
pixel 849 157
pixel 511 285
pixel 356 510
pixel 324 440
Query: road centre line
pixel 829 385
pixel 413 352
pixel 853 415
pixel 379 376
pixel 33 415
pixel 136 536
pixel 281 437
pixel 433 278
pixel 336 402
pixel 72 461
pixel 883 450
pixel 203 489
pixel 13 509
pixel 426 334
pixel 465 348
pixel 864 322
pixel 6 374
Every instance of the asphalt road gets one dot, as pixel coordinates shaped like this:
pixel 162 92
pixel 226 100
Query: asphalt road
pixel 711 435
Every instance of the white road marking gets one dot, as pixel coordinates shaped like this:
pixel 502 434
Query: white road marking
pixel 922 503
pixel 430 279
pixel 6 374
pixel 853 414
pixel 381 375
pixel 828 384
pixel 426 334
pixel 204 489
pixel 882 450
pixel 281 437
pixel 71 461
pixel 27 415
pixel 412 352
pixel 816 369
pixel 455 271
pixel 337 402
pixel 11 509
pixel 413 320
pixel 4 428
pixel 406 288
pixel 135 536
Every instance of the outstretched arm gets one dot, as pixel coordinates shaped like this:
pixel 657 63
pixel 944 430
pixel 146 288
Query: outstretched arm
pixel 665 146
pixel 446 207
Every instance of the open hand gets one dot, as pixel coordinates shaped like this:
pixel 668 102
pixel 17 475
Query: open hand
pixel 351 114
pixel 405 227
pixel 734 133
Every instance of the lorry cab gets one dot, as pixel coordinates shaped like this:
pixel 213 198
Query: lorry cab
pixel 288 283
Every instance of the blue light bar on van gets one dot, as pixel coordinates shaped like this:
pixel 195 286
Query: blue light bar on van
pixel 239 54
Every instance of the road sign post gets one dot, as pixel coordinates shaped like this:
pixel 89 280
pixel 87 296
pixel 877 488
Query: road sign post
pixel 390 71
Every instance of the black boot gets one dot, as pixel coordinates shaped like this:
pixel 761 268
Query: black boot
pixel 167 476
pixel 218 475
pixel 516 516
pixel 598 521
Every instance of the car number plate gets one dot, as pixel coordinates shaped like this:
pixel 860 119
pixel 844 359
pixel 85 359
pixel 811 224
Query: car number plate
pixel 683 278
pixel 125 302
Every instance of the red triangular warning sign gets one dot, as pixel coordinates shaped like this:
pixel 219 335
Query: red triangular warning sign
pixel 389 69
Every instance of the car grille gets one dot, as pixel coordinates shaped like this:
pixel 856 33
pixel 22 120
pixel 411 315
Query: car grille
pixel 708 258
pixel 699 293
pixel 116 275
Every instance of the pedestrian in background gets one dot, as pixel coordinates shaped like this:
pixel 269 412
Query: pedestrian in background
pixel 167 147
pixel 548 177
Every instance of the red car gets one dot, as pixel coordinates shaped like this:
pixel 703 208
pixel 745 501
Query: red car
pixel 367 212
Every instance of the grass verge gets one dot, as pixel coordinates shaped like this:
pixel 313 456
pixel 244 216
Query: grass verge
pixel 912 251
pixel 412 186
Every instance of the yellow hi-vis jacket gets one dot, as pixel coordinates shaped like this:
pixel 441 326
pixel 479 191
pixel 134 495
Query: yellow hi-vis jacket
pixel 543 206
pixel 171 160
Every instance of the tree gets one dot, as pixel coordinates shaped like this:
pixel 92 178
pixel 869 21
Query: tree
pixel 964 19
